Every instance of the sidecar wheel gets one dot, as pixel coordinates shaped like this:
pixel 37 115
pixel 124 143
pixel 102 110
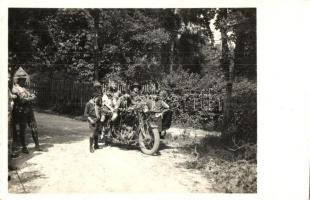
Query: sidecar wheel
pixel 150 145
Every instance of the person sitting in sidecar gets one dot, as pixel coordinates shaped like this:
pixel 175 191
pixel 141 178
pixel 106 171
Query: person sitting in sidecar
pixel 164 112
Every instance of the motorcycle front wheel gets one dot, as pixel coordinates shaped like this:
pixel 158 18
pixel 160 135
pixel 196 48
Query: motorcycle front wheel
pixel 149 140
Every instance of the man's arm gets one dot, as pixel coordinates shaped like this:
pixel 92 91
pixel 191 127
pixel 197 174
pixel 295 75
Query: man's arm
pixel 97 107
pixel 86 110
pixel 21 97
pixel 86 113
pixel 164 104
pixel 32 97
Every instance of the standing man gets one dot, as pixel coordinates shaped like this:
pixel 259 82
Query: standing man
pixel 92 113
pixel 10 126
pixel 22 111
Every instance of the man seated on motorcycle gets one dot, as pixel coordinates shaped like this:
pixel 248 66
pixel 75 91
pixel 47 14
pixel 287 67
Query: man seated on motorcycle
pixel 92 113
pixel 124 101
pixel 110 104
pixel 136 99
pixel 135 93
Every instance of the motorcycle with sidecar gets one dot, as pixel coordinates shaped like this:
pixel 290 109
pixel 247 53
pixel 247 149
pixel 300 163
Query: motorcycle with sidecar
pixel 135 126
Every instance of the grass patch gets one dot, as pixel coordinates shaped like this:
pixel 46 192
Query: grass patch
pixel 228 171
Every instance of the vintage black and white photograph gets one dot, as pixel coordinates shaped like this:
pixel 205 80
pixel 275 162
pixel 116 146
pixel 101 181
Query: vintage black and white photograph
pixel 132 100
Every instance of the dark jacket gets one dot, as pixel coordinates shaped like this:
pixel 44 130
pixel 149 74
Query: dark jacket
pixel 90 109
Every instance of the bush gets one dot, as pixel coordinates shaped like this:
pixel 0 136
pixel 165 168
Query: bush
pixel 243 124
pixel 180 81
pixel 184 87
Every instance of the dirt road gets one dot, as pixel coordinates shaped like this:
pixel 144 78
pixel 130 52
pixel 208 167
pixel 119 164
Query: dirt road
pixel 68 167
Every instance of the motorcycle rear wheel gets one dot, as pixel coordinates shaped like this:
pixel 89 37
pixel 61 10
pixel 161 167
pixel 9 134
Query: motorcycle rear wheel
pixel 150 145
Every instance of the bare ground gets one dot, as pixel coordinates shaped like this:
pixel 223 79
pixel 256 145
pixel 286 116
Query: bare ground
pixel 69 167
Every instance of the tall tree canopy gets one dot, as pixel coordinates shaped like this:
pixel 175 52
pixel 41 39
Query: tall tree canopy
pixel 132 43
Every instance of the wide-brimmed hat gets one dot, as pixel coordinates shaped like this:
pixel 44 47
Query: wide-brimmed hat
pixel 21 73
pixel 135 85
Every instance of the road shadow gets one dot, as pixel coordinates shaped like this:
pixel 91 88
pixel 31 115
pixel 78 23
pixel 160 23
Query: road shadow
pixel 55 129
pixel 21 182
pixel 52 129
pixel 125 147
pixel 165 145
pixel 128 147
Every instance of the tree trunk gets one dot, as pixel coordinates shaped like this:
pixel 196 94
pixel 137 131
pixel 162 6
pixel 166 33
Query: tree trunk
pixel 229 86
pixel 171 55
pixel 226 66
pixel 172 45
pixel 96 26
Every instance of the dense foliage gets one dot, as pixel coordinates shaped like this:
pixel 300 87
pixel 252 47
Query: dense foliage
pixel 132 43
pixel 186 86
pixel 173 47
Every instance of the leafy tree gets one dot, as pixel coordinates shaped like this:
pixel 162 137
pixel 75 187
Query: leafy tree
pixel 131 46
pixel 241 24
pixel 29 41
pixel 65 40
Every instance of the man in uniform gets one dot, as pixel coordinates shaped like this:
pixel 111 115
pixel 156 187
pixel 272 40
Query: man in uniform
pixel 10 126
pixel 92 113
pixel 22 111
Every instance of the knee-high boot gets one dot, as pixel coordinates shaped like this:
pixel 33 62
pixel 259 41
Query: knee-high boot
pixel 96 146
pixel 91 145
pixel 22 138
pixel 35 138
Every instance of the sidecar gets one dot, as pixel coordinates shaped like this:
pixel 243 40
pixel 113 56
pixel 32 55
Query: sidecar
pixel 162 121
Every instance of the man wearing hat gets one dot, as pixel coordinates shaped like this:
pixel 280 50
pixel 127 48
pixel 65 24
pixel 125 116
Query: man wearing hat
pixel 10 126
pixel 22 111
pixel 92 113
pixel 135 93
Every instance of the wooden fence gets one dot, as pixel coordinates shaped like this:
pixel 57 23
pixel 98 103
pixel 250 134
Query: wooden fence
pixel 70 97
pixel 64 95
